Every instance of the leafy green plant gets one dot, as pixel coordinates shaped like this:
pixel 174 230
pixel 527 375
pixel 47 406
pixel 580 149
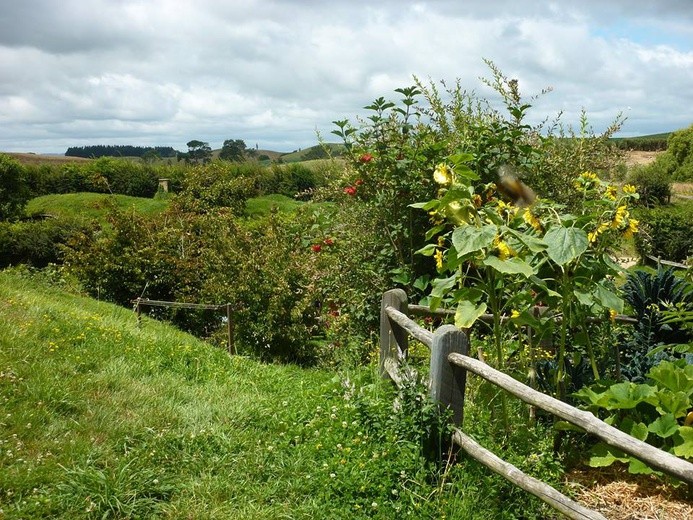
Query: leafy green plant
pixel 500 257
pixel 653 184
pixel 657 411
pixel 667 232
pixel 14 188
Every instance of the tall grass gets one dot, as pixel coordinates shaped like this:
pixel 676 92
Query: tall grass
pixel 102 418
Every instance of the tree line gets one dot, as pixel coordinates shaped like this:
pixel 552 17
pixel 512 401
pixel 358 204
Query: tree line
pixel 101 150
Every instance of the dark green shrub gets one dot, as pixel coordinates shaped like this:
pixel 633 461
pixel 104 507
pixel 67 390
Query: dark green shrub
pixel 14 189
pixel 36 243
pixel 653 181
pixel 666 232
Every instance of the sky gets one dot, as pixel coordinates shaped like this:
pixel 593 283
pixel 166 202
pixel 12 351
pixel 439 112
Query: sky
pixel 276 73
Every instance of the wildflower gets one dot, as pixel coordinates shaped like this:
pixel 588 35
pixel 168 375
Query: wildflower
pixel 350 190
pixel 532 220
pixel 366 158
pixel 612 315
pixel 619 217
pixel 593 235
pixel 632 228
pixel 443 174
pixel 328 242
pixel 514 314
pixel 316 248
pixel 629 189
pixel 610 192
pixel 503 249
pixel 439 259
pixel 358 182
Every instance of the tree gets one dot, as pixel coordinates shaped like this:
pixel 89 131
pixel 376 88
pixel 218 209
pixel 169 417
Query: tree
pixel 233 150
pixel 14 189
pixel 198 152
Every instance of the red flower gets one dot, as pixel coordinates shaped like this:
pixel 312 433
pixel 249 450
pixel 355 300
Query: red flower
pixel 316 248
pixel 328 242
pixel 359 182
pixel 366 158
pixel 350 190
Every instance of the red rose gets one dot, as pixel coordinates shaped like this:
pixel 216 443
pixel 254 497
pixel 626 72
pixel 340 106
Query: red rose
pixel 350 190
pixel 316 248
pixel 365 158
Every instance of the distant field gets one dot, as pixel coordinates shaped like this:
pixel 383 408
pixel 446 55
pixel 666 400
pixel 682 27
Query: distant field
pixel 34 158
pixel 92 205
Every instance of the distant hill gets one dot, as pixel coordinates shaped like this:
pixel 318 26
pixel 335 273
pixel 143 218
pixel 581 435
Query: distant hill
pixel 644 143
pixel 35 158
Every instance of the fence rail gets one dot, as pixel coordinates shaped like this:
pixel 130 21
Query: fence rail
pixel 141 302
pixel 447 381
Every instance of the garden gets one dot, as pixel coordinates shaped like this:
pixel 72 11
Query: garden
pixel 510 231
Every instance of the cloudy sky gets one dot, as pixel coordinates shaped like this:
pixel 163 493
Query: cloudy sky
pixel 273 72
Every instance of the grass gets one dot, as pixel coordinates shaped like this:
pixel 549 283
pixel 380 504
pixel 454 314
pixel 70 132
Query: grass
pixel 101 418
pixel 258 206
pixel 92 206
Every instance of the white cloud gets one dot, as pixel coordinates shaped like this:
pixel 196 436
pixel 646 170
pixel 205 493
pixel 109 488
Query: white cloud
pixel 273 71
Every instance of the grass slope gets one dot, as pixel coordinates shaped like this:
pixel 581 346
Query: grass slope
pixel 92 205
pixel 100 418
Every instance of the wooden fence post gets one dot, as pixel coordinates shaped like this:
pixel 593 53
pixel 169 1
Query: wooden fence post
pixel 138 310
pixel 394 341
pixel 447 381
pixel 229 330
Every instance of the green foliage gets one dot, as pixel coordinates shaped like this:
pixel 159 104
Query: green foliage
pixel 667 232
pixel 654 412
pixel 36 243
pixel 104 175
pixel 680 148
pixel 494 256
pixel 233 150
pixel 653 182
pixel 14 188
pixel 198 152
pixel 648 143
pixel 213 186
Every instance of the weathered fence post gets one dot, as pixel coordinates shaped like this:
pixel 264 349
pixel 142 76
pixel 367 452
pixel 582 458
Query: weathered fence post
pixel 229 330
pixel 394 341
pixel 138 311
pixel 447 381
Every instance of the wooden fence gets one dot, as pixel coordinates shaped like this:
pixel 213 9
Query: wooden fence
pixel 449 364
pixel 140 302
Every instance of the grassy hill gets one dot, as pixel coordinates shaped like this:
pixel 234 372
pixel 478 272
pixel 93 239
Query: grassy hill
pixel 91 205
pixel 102 418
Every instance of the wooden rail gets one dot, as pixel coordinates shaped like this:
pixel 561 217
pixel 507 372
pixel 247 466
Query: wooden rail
pixel 139 302
pixel 447 380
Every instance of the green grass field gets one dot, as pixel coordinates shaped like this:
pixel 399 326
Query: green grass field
pixel 100 418
pixel 92 205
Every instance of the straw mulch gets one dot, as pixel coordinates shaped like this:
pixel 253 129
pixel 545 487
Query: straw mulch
pixel 619 495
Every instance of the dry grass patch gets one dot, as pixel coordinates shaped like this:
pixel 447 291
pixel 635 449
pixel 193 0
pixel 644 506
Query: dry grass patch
pixel 619 495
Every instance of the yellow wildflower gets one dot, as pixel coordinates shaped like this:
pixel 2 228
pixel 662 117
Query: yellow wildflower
pixel 589 176
pixel 632 228
pixel 514 314
pixel 531 220
pixel 443 174
pixel 593 235
pixel 629 189
pixel 620 216
pixel 612 315
pixel 610 192
pixel 439 259
pixel 503 249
